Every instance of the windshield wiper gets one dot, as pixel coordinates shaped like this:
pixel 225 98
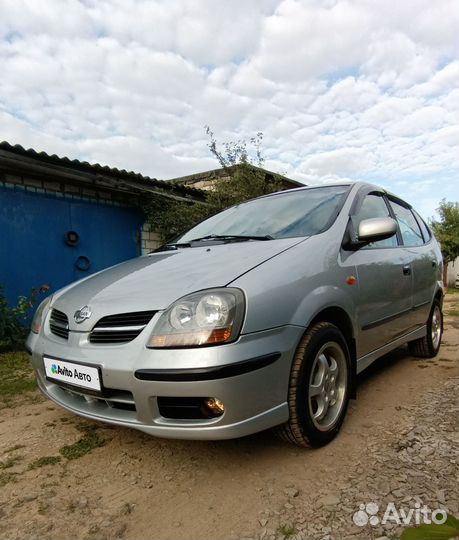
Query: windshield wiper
pixel 232 237
pixel 228 237
pixel 171 247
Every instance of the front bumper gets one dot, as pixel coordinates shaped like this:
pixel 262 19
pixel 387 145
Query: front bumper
pixel 249 376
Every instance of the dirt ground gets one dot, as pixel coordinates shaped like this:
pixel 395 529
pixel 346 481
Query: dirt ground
pixel 65 477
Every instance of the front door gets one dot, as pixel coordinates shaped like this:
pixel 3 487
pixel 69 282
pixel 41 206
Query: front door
pixel 384 279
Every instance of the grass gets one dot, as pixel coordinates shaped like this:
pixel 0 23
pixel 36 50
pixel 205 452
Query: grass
pixel 7 346
pixel 90 440
pixel 16 374
pixel 44 461
pixel 6 477
pixel 9 462
pixel 452 290
pixel 286 530
pixel 452 312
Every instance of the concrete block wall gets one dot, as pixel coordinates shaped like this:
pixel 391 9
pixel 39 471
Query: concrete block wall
pixel 60 189
pixel 150 240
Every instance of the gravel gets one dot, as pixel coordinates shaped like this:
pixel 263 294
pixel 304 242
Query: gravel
pixel 414 464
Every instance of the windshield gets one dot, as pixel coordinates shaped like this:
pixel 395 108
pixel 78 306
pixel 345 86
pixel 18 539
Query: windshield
pixel 286 215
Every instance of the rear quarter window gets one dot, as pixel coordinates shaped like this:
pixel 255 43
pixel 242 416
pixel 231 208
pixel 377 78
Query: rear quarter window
pixel 422 224
pixel 409 228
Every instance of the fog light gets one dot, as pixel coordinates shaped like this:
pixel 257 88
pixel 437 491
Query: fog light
pixel 215 405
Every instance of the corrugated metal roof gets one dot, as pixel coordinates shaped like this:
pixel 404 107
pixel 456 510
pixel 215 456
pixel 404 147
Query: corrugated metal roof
pixel 97 169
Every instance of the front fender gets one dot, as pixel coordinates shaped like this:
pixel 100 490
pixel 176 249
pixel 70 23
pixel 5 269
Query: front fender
pixel 323 298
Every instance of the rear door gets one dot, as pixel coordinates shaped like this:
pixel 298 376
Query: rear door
pixel 423 262
pixel 384 279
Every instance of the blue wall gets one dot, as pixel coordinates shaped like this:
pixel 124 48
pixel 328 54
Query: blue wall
pixel 33 251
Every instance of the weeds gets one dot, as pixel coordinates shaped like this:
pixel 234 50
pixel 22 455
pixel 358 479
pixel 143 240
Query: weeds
pixel 16 375
pixel 86 444
pixel 286 530
pixel 44 461
pixel 7 477
pixel 9 462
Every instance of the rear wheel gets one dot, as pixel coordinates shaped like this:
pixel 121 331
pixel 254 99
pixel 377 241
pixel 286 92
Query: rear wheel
pixel 429 345
pixel 319 387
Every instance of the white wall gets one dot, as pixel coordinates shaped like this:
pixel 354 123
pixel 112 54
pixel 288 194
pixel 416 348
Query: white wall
pixel 150 240
pixel 453 272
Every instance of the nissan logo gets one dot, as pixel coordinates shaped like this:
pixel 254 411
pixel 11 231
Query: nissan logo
pixel 82 314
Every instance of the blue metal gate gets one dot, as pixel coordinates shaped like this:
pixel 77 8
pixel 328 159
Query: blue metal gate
pixel 49 240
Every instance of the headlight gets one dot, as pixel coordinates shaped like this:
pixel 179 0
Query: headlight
pixel 208 317
pixel 40 315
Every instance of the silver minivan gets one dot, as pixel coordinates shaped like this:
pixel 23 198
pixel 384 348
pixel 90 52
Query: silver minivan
pixel 261 316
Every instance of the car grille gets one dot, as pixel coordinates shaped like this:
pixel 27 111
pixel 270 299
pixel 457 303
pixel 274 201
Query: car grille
pixel 115 399
pixel 59 324
pixel 120 328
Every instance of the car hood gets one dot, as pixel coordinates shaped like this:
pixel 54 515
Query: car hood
pixel 154 281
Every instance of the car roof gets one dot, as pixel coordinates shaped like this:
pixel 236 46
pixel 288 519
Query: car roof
pixel 317 186
pixel 351 184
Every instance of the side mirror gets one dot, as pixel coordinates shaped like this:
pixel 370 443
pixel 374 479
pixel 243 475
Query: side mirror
pixel 372 230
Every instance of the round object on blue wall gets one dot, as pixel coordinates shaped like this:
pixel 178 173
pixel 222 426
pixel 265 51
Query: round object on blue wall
pixel 82 263
pixel 72 238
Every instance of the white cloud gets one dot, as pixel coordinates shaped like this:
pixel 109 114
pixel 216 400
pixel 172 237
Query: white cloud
pixel 341 89
pixel 343 162
pixel 306 39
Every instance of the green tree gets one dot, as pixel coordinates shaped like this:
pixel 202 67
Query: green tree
pixel 245 179
pixel 169 217
pixel 447 231
pixel 237 152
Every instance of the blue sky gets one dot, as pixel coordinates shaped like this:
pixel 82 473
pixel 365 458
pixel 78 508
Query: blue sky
pixel 340 89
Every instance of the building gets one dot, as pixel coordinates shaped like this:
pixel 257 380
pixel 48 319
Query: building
pixel 452 273
pixel 206 180
pixel 62 219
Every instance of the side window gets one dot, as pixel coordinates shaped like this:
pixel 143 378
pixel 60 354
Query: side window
pixel 374 206
pixel 424 229
pixel 411 233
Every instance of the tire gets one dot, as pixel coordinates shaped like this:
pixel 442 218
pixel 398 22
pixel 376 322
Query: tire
pixel 320 376
pixel 429 345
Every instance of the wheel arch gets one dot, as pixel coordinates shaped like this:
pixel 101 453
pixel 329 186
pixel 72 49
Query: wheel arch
pixel 439 295
pixel 341 319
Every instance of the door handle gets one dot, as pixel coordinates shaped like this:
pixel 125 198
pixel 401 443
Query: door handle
pixel 407 270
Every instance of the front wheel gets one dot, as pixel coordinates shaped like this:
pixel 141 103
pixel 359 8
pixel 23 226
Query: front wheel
pixel 319 387
pixel 429 345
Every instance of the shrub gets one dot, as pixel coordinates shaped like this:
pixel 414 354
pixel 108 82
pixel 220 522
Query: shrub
pixel 14 320
pixel 11 330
